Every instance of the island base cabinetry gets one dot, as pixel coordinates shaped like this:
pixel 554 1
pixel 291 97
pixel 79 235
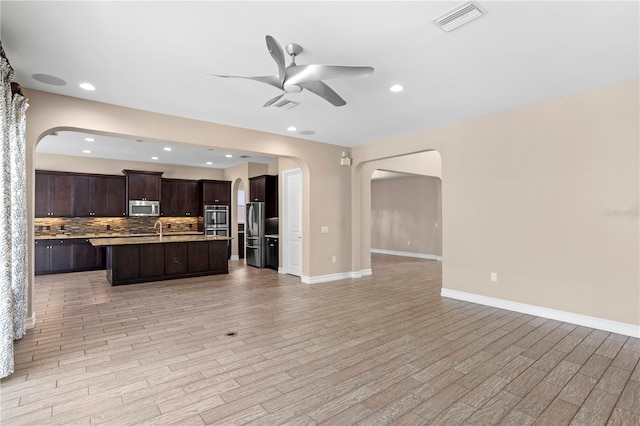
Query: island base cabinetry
pixel 138 263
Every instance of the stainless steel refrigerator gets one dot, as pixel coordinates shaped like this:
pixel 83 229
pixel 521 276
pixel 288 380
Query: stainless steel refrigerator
pixel 254 232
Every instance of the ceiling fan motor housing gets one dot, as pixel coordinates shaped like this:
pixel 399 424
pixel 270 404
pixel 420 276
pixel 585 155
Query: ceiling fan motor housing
pixel 292 88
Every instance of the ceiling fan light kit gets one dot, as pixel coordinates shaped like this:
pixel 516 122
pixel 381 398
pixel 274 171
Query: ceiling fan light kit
pixel 294 78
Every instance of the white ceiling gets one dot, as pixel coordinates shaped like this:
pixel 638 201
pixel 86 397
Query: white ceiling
pixel 156 56
pixel 146 151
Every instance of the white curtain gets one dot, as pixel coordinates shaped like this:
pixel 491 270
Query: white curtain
pixel 13 222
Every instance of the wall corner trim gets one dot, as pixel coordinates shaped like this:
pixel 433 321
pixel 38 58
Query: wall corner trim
pixel 31 321
pixel 335 277
pixel 570 317
pixel 407 254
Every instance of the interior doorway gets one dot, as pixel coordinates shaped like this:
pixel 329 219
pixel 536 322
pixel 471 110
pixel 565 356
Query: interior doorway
pixel 292 223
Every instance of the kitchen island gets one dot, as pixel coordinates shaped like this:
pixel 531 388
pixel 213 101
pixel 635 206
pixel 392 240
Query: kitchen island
pixel 132 260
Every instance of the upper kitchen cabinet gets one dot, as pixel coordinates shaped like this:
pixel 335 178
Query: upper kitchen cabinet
pixel 265 188
pixel 179 197
pixel 142 185
pixel 215 192
pixel 54 194
pixel 99 196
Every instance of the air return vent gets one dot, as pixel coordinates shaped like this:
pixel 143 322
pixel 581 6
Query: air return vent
pixel 459 16
pixel 285 104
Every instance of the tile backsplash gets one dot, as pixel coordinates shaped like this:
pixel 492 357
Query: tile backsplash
pixel 45 226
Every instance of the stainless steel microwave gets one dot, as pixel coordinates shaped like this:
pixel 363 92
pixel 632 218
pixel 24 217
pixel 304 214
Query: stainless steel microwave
pixel 144 208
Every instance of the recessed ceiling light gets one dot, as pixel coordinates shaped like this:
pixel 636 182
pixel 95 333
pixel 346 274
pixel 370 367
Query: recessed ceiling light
pixel 396 88
pixel 154 158
pixel 87 86
pixel 228 155
pixel 291 129
pixel 86 151
pixel 209 163
pixel 166 148
pixel 89 139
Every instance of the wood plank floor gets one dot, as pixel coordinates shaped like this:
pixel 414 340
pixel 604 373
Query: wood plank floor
pixel 385 349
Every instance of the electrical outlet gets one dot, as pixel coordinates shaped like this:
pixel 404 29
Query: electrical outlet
pixel 494 276
pixel 333 259
pixel 324 230
pixel 408 243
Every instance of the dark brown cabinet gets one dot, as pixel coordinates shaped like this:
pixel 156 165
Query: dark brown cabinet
pixel 179 198
pixel 215 192
pixel 142 185
pixel 151 264
pixel 175 259
pixel 67 255
pixel 123 263
pixel 86 257
pixel 54 195
pixel 136 263
pixel 265 188
pixel 59 194
pixel 99 196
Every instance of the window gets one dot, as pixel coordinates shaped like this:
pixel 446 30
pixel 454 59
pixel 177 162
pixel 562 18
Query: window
pixel 241 205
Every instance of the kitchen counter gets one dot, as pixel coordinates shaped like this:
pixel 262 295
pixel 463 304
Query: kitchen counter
pixel 271 236
pixel 113 235
pixel 142 259
pixel 155 239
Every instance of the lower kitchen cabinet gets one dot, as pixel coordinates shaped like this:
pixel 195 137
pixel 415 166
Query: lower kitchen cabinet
pixel 150 266
pixel 138 263
pixel 67 255
pixel 175 258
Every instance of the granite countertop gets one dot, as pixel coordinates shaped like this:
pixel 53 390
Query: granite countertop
pixel 114 235
pixel 120 241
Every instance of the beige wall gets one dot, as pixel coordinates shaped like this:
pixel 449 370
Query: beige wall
pixel 405 215
pixel 545 195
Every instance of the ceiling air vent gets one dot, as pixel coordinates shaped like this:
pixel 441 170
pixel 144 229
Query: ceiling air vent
pixel 459 16
pixel 286 104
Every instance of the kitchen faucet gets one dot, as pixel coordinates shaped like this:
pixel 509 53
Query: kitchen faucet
pixel 158 223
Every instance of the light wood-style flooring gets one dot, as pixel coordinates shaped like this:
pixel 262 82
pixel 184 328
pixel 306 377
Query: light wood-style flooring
pixel 256 347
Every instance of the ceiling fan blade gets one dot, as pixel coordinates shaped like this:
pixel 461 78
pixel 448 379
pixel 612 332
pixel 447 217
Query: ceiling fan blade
pixel 273 101
pixel 315 72
pixel 268 79
pixel 324 91
pixel 278 55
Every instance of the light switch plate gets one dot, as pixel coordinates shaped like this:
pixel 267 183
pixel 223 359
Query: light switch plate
pixel 324 230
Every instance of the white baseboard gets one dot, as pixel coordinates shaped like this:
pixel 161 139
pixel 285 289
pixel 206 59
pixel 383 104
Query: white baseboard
pixel 31 321
pixel 361 273
pixel 570 317
pixel 325 278
pixel 335 277
pixel 282 270
pixel 407 254
pixel 235 257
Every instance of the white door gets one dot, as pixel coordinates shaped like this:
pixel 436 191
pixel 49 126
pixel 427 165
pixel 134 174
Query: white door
pixel 292 255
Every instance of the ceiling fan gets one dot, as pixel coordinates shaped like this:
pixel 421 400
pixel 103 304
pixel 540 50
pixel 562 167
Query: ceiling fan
pixel 293 78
